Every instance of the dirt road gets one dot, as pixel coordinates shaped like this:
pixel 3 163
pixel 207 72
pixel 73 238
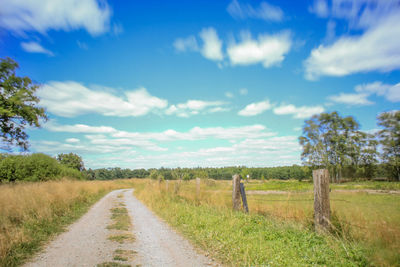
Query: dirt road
pixel 86 242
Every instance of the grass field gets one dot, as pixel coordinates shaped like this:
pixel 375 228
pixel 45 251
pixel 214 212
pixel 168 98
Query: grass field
pixel 31 213
pixel 278 231
pixel 363 220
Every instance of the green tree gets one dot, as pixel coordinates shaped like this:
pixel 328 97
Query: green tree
pixel 325 141
pixel 71 160
pixel 18 106
pixel 390 141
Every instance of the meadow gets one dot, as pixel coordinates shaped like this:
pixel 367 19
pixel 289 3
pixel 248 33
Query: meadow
pixel 366 225
pixel 277 232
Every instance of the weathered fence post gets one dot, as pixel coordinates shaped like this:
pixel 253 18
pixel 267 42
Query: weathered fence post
pixel 197 188
pixel 236 192
pixel 166 185
pixel 244 199
pixel 322 210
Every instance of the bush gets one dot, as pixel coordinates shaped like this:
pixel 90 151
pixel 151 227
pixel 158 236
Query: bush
pixel 34 167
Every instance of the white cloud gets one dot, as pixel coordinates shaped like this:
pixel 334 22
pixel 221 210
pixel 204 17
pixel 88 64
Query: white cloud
pixel 393 93
pixel 186 44
pixel 252 145
pixel 376 49
pixel 243 91
pixel 194 107
pixel 269 50
pixel 34 47
pixel 53 126
pixel 265 11
pixel 351 99
pixel 320 7
pixel 229 95
pixel 298 112
pixel 363 91
pixel 255 108
pixel 77 99
pixel 72 140
pixel 212 45
pixel 28 15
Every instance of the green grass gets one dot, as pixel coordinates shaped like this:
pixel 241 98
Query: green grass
pixel 121 219
pixel 123 255
pixel 299 186
pixel 122 238
pixel 280 185
pixel 238 239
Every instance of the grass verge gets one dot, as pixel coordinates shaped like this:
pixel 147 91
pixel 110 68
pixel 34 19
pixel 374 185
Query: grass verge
pixel 238 239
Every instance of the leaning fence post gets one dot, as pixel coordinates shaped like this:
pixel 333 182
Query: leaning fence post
pixel 244 199
pixel 236 192
pixel 321 200
pixel 197 188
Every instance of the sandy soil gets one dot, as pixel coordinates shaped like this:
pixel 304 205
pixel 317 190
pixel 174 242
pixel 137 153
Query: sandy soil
pixel 85 242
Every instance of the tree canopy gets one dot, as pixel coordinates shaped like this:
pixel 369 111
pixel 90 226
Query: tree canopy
pixel 71 160
pixel 18 106
pixel 390 140
pixel 333 142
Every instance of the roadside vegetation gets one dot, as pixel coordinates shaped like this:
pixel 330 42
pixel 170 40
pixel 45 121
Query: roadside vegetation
pixel 32 213
pixel 279 229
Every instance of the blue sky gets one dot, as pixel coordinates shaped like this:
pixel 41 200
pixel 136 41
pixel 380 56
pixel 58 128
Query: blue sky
pixel 143 84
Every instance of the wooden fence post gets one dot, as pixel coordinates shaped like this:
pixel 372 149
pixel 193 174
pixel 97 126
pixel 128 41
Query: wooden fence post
pixel 166 185
pixel 321 200
pixel 244 199
pixel 236 192
pixel 197 188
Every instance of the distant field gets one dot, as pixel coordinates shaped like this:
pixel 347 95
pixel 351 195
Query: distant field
pixel 369 220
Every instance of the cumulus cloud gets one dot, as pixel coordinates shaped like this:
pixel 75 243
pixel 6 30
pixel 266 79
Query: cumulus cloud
pixel 35 47
pixel 78 99
pixel 212 45
pixel 265 11
pixel 375 49
pixel 22 16
pixel 268 50
pixel 254 109
pixel 298 112
pixel 194 107
pixel 363 91
pixel 186 44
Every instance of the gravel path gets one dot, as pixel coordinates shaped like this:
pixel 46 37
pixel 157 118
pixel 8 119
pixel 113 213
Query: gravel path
pixel 86 244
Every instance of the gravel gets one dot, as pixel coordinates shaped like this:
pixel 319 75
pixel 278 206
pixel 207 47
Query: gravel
pixel 85 242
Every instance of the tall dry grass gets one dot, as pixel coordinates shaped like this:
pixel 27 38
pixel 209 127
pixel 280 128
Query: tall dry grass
pixel 31 212
pixel 371 219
